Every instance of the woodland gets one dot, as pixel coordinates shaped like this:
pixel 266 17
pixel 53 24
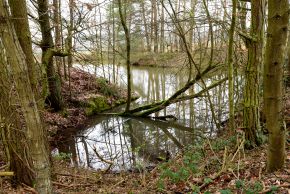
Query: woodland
pixel 144 96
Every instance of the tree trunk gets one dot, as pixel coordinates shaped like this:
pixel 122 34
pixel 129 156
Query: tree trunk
pixel 145 25
pixel 57 34
pixel 128 50
pixel 191 24
pixel 53 98
pixel 15 146
pixel 19 12
pixel 230 63
pixel 288 61
pixel 251 111
pixel 162 32
pixel 155 26
pixel 70 41
pixel 35 131
pixel 278 21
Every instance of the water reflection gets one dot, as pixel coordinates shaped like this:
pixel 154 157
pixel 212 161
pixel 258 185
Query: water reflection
pixel 128 142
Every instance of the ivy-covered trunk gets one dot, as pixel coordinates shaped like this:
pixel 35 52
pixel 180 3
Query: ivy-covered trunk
pixel 18 74
pixel 53 93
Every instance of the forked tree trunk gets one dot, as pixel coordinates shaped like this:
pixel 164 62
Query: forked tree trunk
pixel 53 98
pixel 278 21
pixel 35 131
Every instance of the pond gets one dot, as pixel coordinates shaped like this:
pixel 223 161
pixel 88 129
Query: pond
pixel 126 143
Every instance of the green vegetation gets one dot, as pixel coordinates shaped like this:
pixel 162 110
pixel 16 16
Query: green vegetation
pixel 96 105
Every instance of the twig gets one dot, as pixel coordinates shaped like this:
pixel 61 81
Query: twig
pixel 77 176
pixel 6 173
pixel 72 185
pixel 213 150
pixel 118 183
pixel 29 189
pixel 2 167
pixel 219 173
pixel 240 147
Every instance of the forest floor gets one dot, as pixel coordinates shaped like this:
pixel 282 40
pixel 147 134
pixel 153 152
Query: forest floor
pixel 218 165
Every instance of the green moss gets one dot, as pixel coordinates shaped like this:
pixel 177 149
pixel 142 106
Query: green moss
pixel 106 88
pixel 96 105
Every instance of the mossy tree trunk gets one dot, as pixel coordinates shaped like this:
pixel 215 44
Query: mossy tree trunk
pixel 251 111
pixel 278 21
pixel 54 97
pixel 16 64
pixel 20 21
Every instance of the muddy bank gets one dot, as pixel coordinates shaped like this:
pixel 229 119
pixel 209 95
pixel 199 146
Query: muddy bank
pixel 84 97
pixel 158 59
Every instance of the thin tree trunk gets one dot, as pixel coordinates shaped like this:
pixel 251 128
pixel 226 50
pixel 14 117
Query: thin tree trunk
pixel 57 35
pixel 142 3
pixel 230 63
pixel 155 25
pixel 162 33
pixel 191 24
pixel 128 50
pixel 70 41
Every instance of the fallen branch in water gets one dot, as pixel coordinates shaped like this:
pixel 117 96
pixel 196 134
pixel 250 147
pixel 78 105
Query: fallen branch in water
pixel 157 106
pixel 100 157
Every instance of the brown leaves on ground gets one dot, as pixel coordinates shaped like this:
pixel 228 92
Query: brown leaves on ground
pixel 77 90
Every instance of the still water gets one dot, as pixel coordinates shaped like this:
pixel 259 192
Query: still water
pixel 126 143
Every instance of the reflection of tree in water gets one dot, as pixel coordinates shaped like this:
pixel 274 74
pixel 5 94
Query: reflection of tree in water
pixel 130 141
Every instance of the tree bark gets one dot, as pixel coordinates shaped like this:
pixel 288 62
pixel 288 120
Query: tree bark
pixel 35 131
pixel 278 22
pixel 148 46
pixel 57 34
pixel 230 63
pixel 12 135
pixel 128 50
pixel 53 98
pixel 251 112
pixel 21 26
pixel 155 26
